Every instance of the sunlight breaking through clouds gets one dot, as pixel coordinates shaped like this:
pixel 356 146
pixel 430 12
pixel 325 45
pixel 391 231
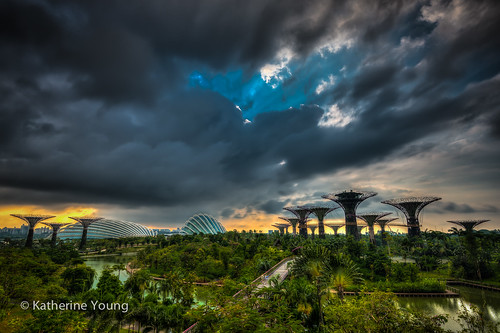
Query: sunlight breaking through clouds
pixel 334 117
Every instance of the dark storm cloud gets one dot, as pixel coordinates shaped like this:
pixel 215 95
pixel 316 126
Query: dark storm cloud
pixel 95 105
pixel 272 206
pixel 451 207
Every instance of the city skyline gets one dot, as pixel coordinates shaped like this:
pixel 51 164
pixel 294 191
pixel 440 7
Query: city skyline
pixel 156 111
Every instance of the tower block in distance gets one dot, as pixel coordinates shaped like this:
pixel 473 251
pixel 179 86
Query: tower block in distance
pixel 302 214
pixel 282 227
pixel 293 222
pixel 320 212
pixel 468 225
pixel 349 201
pixel 411 207
pixel 335 227
pixel 55 229
pixel 32 220
pixel 85 221
pixel 370 219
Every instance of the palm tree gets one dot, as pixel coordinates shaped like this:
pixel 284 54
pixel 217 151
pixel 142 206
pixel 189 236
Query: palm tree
pixel 342 272
pixel 119 268
pixel 312 263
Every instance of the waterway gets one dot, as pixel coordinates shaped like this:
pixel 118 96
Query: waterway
pixel 99 262
pixel 487 301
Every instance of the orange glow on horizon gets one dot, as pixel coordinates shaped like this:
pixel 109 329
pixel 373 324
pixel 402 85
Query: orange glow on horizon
pixel 60 215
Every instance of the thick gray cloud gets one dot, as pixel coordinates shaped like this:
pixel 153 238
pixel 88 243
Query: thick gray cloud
pixel 96 108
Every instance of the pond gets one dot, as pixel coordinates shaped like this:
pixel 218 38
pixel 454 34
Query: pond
pixel 98 263
pixel 488 301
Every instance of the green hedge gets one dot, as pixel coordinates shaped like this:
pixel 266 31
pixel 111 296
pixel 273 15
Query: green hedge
pixel 422 286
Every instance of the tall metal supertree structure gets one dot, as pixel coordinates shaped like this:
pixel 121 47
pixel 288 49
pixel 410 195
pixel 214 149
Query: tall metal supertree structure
pixel 320 212
pixel 468 225
pixel 32 220
pixel 55 229
pixel 411 207
pixel 293 222
pixel 360 227
pixel 282 227
pixel 335 227
pixel 85 221
pixel 382 223
pixel 349 200
pixel 370 219
pixel 302 214
pixel 313 229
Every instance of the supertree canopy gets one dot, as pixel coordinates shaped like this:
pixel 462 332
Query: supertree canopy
pixel 468 225
pixel 382 223
pixel 411 207
pixel 320 212
pixel 85 221
pixel 293 222
pixel 313 228
pixel 335 227
pixel 302 214
pixel 282 227
pixel 55 229
pixel 349 200
pixel 32 220
pixel 370 219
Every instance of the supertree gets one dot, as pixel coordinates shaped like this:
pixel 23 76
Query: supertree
pixel 32 220
pixel 468 225
pixel 293 222
pixel 313 229
pixel 370 219
pixel 349 200
pixel 360 227
pixel 320 212
pixel 302 214
pixel 335 227
pixel 282 227
pixel 55 229
pixel 411 207
pixel 382 223
pixel 85 221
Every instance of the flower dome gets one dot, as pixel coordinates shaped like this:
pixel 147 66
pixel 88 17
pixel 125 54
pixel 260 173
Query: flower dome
pixel 203 224
pixel 106 229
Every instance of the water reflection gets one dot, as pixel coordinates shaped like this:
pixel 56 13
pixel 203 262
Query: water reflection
pixel 98 263
pixel 487 301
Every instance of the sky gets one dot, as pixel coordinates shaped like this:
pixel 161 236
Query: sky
pixel 153 111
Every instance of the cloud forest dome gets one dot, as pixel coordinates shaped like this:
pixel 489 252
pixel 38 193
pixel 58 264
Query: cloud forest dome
pixel 203 224
pixel 106 228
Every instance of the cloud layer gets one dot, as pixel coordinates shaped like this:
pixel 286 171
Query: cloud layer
pixel 131 105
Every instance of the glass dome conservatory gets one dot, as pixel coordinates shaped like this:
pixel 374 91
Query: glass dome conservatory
pixel 203 224
pixel 106 229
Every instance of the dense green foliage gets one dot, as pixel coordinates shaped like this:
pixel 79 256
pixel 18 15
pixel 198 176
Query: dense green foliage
pixel 161 296
pixel 203 258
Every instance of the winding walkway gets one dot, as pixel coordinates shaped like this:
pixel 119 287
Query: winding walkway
pixel 280 270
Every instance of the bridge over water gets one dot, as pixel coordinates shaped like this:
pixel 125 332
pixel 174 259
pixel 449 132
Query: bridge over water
pixel 280 270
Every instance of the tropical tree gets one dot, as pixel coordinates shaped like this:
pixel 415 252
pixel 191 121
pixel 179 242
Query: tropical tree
pixel 342 272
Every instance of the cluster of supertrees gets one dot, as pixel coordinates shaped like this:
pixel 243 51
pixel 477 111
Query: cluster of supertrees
pixel 349 201
pixel 34 219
